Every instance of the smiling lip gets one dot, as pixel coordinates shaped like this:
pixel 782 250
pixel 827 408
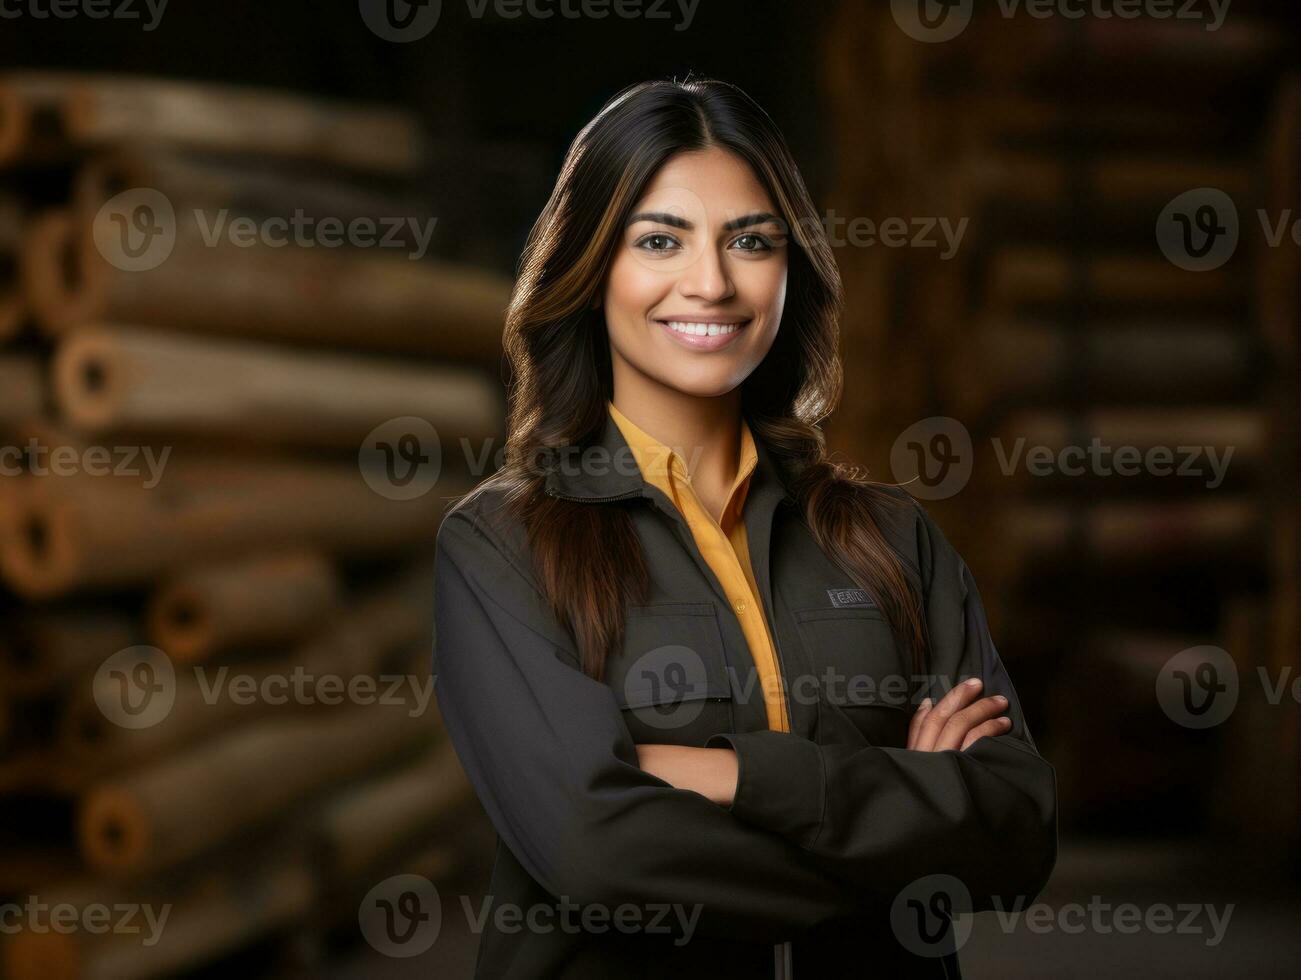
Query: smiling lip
pixel 705 342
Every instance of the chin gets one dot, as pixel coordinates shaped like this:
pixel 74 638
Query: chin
pixel 702 384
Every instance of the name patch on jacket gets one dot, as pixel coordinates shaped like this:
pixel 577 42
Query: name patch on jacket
pixel 853 598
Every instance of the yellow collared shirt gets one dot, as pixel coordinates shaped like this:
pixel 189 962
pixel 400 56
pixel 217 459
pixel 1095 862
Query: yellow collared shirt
pixel 723 546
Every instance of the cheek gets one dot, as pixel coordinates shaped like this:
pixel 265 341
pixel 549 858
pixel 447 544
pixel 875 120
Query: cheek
pixel 764 287
pixel 630 291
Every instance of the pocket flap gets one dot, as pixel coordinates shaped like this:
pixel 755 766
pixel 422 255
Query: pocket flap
pixel 672 653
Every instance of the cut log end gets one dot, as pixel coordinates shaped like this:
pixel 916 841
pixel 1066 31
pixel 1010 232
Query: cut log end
pixel 84 731
pixel 56 273
pixel 86 381
pixel 179 622
pixel 114 830
pixel 38 556
pixel 29 129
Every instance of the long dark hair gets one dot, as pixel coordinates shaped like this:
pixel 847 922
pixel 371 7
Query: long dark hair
pixel 588 559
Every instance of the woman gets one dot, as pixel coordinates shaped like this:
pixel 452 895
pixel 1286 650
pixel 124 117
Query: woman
pixel 733 709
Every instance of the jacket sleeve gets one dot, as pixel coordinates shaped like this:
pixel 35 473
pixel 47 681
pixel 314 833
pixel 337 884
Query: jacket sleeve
pixel 883 817
pixel 555 767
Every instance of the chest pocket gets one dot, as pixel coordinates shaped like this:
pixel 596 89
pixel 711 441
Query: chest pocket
pixel 671 677
pixel 859 671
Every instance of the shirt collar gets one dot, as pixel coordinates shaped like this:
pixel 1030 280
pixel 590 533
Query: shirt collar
pixel 666 469
pixel 608 469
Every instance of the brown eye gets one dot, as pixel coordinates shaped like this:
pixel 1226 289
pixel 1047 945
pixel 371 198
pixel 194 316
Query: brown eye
pixel 657 242
pixel 756 243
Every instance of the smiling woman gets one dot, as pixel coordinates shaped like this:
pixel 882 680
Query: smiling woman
pixel 673 673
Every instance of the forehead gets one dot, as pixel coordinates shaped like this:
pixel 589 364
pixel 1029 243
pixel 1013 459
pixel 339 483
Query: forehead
pixel 711 181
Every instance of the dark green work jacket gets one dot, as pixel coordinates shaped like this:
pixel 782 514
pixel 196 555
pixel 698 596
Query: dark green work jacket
pixel 821 866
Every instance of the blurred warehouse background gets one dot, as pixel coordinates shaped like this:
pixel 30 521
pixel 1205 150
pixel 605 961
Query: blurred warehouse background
pixel 253 265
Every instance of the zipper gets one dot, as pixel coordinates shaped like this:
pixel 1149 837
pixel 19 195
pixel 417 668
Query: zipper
pixel 781 961
pixel 781 664
pixel 594 500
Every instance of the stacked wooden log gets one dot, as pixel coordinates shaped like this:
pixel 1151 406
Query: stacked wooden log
pixel 1060 323
pixel 190 489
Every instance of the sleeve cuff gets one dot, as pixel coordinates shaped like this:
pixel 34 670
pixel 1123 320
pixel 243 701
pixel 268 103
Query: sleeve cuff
pixel 780 784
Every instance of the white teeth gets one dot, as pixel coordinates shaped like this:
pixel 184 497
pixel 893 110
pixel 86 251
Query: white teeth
pixel 704 329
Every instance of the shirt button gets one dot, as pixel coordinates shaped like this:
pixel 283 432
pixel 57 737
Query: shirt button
pixel 740 607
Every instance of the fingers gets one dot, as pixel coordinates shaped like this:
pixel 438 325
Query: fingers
pixel 995 726
pixel 944 709
pixel 915 726
pixel 962 722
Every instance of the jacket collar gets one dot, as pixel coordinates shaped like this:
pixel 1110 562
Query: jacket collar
pixel 607 470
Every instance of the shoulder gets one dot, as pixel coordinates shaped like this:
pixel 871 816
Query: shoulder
pixel 485 524
pixel 482 560
pixel 485 542
pixel 910 529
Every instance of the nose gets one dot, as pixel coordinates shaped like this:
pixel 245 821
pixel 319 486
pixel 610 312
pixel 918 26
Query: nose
pixel 706 278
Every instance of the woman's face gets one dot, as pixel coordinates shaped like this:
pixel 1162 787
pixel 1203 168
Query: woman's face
pixel 696 290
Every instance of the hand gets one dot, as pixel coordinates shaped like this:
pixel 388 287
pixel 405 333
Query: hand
pixel 956 722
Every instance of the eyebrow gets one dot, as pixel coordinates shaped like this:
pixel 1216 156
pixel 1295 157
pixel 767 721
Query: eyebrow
pixel 664 218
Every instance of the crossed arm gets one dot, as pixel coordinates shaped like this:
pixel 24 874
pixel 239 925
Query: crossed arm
pixel 811 832
pixel 958 720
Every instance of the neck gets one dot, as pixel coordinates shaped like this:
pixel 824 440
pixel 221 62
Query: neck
pixel 705 431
